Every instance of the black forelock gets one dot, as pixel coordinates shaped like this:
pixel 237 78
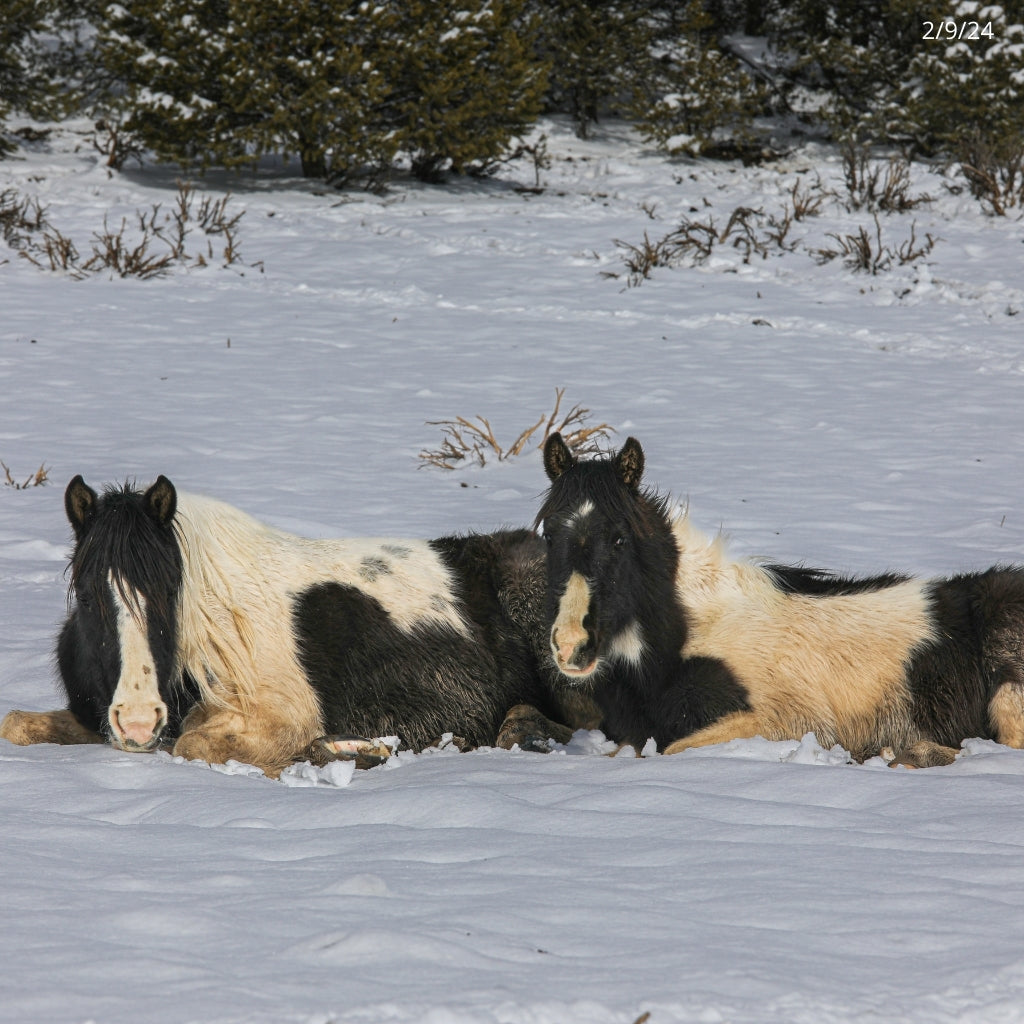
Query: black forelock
pixel 598 481
pixel 124 539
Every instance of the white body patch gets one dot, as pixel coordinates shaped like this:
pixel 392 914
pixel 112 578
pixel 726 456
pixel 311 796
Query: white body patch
pixel 137 712
pixel 628 646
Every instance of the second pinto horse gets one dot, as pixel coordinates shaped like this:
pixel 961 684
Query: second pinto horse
pixel 681 643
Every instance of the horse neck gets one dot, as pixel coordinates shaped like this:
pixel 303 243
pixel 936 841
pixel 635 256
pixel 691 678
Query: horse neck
pixel 661 615
pixel 707 578
pixel 216 640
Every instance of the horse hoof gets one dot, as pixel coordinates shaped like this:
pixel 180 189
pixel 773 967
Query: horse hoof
pixel 365 752
pixel 527 728
pixel 923 754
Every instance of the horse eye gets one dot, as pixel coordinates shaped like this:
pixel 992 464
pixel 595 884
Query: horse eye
pixel 620 541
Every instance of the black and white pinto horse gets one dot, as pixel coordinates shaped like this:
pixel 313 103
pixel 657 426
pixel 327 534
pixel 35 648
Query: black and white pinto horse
pixel 681 643
pixel 194 623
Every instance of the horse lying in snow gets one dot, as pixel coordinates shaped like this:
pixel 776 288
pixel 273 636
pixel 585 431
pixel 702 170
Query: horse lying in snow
pixel 681 643
pixel 193 622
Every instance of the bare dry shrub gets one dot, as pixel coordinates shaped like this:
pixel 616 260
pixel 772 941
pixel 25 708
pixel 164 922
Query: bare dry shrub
pixel 118 146
pixel 874 185
pixel 996 179
pixel 911 250
pixel 53 252
pixel 778 228
pixel 742 228
pixel 694 239
pixel 36 479
pixel 861 252
pixel 154 248
pixel 20 216
pixel 807 202
pixel 641 259
pixel 463 440
pixel 111 250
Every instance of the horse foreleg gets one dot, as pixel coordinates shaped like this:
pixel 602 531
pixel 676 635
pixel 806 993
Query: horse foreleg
pixel 219 735
pixel 27 727
pixel 923 754
pixel 527 728
pixel 366 753
pixel 1006 713
pixel 739 725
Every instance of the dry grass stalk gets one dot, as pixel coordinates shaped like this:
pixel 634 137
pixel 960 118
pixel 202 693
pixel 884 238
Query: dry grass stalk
pixel 464 440
pixel 878 186
pixel 860 253
pixel 808 203
pixel 36 479
pixel 21 220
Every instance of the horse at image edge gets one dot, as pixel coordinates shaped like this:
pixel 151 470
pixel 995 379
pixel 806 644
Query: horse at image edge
pixel 195 624
pixel 679 642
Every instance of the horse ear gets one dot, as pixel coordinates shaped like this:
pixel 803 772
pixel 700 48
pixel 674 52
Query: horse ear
pixel 79 504
pixel 558 457
pixel 161 500
pixel 630 463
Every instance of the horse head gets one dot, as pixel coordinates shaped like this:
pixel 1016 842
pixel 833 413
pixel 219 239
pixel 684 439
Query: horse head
pixel 118 648
pixel 611 558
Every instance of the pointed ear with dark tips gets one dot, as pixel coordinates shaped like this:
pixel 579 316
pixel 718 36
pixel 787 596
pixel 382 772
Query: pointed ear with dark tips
pixel 79 504
pixel 161 500
pixel 558 457
pixel 630 463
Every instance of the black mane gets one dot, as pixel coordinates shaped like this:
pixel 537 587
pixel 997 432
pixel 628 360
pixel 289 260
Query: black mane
pixel 809 582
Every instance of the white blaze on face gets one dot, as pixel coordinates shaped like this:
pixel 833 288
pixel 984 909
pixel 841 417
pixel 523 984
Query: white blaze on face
pixel 568 633
pixel 137 712
pixel 586 507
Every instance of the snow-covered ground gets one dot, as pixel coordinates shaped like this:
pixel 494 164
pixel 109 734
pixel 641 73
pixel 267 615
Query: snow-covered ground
pixel 853 421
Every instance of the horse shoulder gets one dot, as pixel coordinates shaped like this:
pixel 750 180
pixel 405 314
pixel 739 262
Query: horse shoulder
pixel 237 638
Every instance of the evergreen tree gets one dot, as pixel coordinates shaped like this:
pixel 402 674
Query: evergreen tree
pixel 596 51
pixel 24 80
pixel 227 82
pixel 311 77
pixel 466 81
pixel 884 81
pixel 342 84
pixel 855 52
pixel 959 92
pixel 694 97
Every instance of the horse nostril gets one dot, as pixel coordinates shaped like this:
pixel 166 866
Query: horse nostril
pixel 138 728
